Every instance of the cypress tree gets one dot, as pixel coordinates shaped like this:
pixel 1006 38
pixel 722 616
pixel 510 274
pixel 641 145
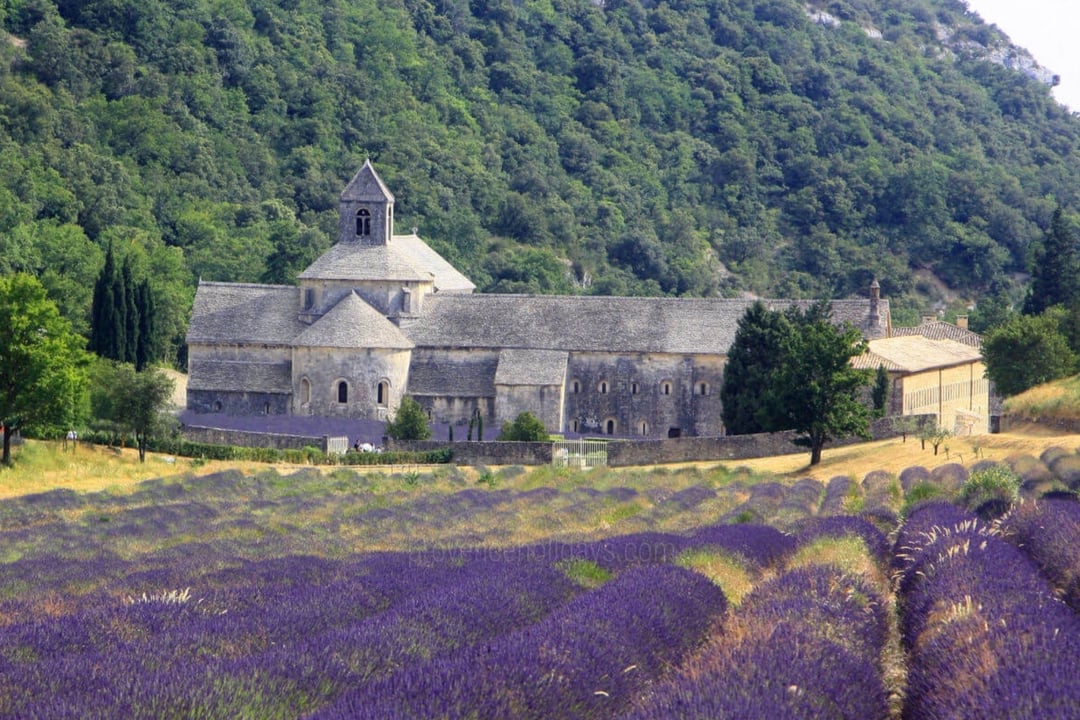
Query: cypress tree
pixel 1055 280
pixel 103 316
pixel 131 314
pixel 145 352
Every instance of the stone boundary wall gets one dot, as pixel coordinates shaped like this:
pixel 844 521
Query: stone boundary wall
pixel 650 451
pixel 484 453
pixel 247 438
pixel 1010 422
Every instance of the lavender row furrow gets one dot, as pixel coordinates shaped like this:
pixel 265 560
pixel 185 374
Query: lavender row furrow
pixel 1048 531
pixel 805 645
pixel 586 660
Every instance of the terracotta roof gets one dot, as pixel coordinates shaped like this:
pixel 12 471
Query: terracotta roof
pixel 236 313
pixel 941 330
pixel 915 353
pixel 352 323
pixel 600 324
pixel 241 376
pixel 355 261
pixel 531 367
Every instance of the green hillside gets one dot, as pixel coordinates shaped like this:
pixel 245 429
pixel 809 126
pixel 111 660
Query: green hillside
pixel 557 146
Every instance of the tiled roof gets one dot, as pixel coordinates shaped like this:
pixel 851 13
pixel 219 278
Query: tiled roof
pixel 431 374
pixel 235 313
pixel 915 353
pixel 426 260
pixel 941 330
pixel 599 324
pixel 352 323
pixel 531 367
pixel 367 186
pixel 240 376
pixel 355 261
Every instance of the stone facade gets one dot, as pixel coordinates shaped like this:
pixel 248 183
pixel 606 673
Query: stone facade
pixel 380 316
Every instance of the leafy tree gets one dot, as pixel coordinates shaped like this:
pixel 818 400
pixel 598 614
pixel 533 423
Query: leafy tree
pixel 879 394
pixel 815 390
pixel 1028 350
pixel 409 423
pixel 752 363
pixel 128 401
pixel 1055 279
pixel 42 362
pixel 526 427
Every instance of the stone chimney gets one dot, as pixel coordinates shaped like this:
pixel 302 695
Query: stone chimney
pixel 961 322
pixel 875 303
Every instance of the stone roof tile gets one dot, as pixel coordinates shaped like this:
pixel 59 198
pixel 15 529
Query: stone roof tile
pixel 941 330
pixel 916 353
pixel 237 313
pixel 356 261
pixel 226 376
pixel 436 375
pixel 600 324
pixel 531 367
pixel 352 323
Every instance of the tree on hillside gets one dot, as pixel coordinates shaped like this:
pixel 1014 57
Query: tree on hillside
pixel 409 423
pixel 1028 350
pixel 1055 279
pixel 752 362
pixel 816 391
pixel 123 327
pixel 42 362
pixel 127 401
pixel 879 394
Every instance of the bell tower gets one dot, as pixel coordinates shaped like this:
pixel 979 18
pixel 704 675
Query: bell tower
pixel 366 210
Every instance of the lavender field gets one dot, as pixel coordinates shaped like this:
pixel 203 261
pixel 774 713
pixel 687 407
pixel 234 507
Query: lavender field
pixel 466 593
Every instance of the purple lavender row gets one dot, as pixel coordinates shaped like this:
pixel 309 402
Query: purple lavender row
pixel 1048 531
pixel 985 635
pixel 233 667
pixel 586 660
pixel 805 645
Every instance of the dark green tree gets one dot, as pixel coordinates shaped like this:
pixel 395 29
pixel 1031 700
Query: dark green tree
pixel 815 390
pixel 42 362
pixel 1028 350
pixel 130 313
pixel 1055 279
pixel 126 401
pixel 146 349
pixel 409 423
pixel 879 395
pixel 752 362
pixel 526 427
pixel 106 322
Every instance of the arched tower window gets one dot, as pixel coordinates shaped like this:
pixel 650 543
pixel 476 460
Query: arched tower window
pixel 574 426
pixel 665 388
pixel 575 387
pixel 382 393
pixel 309 298
pixel 363 222
pixel 634 388
pixel 603 387
pixel 610 426
pixel 343 392
pixel 703 388
pixel 643 427
pixel 305 390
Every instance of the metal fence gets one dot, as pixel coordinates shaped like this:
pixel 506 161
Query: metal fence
pixel 579 453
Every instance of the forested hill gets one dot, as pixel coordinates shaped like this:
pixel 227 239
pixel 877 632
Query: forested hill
pixel 614 146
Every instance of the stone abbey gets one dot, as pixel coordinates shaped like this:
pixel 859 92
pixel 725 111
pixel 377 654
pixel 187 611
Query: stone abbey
pixel 380 316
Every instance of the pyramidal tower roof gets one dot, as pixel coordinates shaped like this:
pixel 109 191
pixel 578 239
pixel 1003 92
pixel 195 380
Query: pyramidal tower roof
pixel 352 323
pixel 367 186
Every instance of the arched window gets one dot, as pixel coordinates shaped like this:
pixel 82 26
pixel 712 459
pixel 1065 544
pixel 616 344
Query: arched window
pixel 217 406
pixel 382 393
pixel 309 298
pixel 363 223
pixel 665 387
pixel 266 408
pixel 574 426
pixel 343 392
pixel 603 387
pixel 634 388
pixel 703 388
pixel 575 387
pixel 305 391
pixel 643 427
pixel 610 426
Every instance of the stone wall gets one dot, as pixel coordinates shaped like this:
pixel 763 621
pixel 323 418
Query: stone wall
pixel 484 453
pixel 244 438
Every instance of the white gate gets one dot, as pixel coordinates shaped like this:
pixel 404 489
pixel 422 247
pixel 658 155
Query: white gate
pixel 579 453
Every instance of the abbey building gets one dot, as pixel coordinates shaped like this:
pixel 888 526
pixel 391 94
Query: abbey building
pixel 380 316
